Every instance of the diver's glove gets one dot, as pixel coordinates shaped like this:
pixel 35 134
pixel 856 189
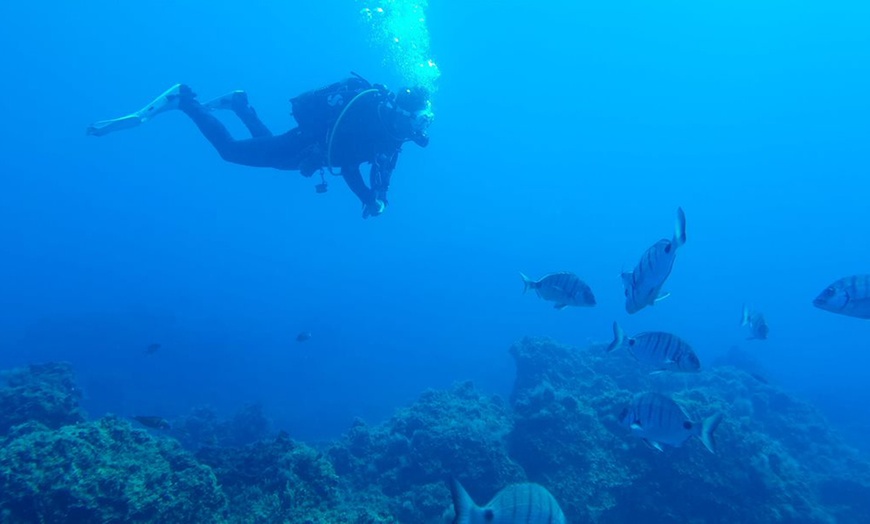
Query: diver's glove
pixel 373 209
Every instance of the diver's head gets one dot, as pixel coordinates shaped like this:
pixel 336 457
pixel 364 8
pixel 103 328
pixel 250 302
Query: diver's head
pixel 413 114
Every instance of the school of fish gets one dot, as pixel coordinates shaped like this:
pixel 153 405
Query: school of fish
pixel 654 418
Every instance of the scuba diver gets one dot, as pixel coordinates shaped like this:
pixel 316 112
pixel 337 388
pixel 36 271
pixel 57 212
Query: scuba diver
pixel 342 125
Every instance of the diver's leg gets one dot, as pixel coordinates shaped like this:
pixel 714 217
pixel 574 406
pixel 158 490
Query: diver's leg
pixel 237 102
pixel 280 152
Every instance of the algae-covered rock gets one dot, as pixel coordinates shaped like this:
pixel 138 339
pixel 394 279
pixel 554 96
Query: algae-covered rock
pixel 103 471
pixel 776 458
pixel 203 428
pixel 410 459
pixel 275 480
pixel 44 393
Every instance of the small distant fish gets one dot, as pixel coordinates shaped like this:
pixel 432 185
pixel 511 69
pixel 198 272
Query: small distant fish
pixel 525 503
pixel 658 420
pixel 153 422
pixel 643 286
pixel 848 296
pixel 564 288
pixel 152 348
pixel 662 351
pixel 758 328
pixel 303 336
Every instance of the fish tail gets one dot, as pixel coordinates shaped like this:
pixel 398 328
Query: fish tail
pixel 680 232
pixel 528 283
pixel 462 503
pixel 707 428
pixel 618 337
pixel 745 316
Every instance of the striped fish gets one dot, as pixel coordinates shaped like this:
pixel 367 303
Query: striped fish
pixel 662 351
pixel 658 420
pixel 565 289
pixel 848 296
pixel 758 328
pixel 515 504
pixel 643 286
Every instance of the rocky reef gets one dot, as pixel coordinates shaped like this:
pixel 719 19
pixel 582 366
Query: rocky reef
pixel 408 460
pixel 102 471
pixel 44 393
pixel 776 458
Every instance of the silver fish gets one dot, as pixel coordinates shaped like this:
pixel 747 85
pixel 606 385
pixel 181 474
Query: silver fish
pixel 758 328
pixel 643 286
pixel 658 420
pixel 662 351
pixel 525 503
pixel 564 288
pixel 848 296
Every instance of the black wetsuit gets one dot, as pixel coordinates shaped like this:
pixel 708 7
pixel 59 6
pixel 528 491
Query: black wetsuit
pixel 364 135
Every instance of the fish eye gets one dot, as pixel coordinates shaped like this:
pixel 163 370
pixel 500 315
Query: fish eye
pixel 631 341
pixel 668 248
pixel 687 425
pixel 830 292
pixel 488 515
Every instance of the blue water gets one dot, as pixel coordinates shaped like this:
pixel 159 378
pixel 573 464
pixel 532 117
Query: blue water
pixel 565 139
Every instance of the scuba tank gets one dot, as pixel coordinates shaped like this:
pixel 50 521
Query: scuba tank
pixel 316 111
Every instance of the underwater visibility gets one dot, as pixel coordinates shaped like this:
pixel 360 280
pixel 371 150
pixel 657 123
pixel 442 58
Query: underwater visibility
pixel 261 263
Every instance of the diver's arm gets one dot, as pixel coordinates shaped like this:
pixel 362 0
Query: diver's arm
pixel 353 179
pixel 381 172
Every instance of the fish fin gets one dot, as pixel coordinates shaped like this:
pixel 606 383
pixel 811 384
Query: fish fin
pixel 680 231
pixel 462 503
pixel 618 337
pixel 653 444
pixel 745 319
pixel 707 428
pixel 528 283
pixel 636 426
pixel 560 306
pixel 660 298
pixel 656 372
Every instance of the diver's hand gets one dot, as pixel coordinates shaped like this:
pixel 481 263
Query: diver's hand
pixel 373 209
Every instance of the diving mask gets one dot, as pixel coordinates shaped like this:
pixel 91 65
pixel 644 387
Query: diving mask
pixel 420 120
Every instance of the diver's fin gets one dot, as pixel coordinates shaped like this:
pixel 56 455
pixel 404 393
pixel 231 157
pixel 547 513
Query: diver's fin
pixel 165 102
pixel 228 101
pixel 104 127
pixel 618 337
pixel 707 428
